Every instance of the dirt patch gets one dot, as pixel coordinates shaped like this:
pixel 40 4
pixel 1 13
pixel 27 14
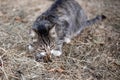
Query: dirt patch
pixel 93 55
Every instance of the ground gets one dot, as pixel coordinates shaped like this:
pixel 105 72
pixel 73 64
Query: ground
pixel 92 55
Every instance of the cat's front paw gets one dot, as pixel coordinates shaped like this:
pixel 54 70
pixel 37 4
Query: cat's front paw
pixel 56 52
pixel 40 55
pixel 67 40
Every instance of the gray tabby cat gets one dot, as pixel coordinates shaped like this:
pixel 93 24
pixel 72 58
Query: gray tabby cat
pixel 64 20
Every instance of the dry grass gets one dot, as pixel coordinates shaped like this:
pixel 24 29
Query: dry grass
pixel 93 55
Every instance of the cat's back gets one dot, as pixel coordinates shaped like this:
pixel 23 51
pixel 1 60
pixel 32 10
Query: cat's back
pixel 65 7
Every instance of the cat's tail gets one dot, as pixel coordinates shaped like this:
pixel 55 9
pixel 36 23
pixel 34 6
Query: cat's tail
pixel 95 20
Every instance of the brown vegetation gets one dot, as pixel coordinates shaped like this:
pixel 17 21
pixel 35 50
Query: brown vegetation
pixel 93 55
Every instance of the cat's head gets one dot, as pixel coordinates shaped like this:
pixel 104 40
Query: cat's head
pixel 42 34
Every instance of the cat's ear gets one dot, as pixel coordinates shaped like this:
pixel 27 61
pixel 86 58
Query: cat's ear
pixel 52 32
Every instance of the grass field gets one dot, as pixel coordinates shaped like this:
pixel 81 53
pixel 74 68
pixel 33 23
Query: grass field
pixel 93 55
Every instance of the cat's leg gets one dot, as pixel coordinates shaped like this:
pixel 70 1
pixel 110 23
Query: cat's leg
pixel 32 41
pixel 59 40
pixel 68 36
pixel 57 51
